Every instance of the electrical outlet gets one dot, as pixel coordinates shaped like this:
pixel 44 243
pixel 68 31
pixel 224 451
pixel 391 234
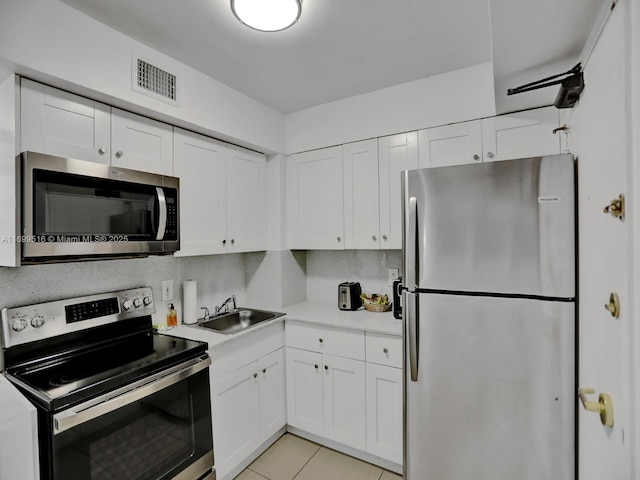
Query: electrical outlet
pixel 167 290
pixel 393 274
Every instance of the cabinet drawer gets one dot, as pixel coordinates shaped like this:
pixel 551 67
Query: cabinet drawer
pixel 384 349
pixel 332 341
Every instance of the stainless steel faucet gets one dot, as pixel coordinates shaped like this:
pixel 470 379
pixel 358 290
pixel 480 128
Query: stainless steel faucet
pixel 225 305
pixel 207 315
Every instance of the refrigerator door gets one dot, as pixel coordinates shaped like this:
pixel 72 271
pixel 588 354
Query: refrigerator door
pixel 494 396
pixel 502 227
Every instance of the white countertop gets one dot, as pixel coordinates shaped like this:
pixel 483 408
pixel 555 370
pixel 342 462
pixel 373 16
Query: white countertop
pixel 318 313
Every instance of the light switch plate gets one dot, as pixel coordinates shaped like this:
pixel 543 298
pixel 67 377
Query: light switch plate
pixel 393 274
pixel 167 290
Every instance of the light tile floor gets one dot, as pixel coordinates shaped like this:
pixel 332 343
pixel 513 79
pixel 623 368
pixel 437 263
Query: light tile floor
pixel 292 457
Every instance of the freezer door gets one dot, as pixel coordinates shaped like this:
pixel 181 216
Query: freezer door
pixel 504 227
pixel 494 396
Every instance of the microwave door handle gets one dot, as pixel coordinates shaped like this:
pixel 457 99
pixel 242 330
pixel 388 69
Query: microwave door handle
pixel 162 217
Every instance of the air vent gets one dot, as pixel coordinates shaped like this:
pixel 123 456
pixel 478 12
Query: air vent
pixel 154 81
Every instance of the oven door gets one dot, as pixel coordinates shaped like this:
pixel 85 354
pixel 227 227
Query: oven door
pixel 159 428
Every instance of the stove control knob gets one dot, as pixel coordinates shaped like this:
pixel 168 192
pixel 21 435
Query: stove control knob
pixel 126 304
pixel 37 321
pixel 147 300
pixel 19 324
pixel 137 302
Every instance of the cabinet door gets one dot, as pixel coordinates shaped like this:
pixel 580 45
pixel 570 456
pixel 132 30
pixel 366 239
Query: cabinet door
pixel 247 211
pixel 273 393
pixel 304 390
pixel 344 401
pixel 236 422
pixel 200 163
pixel 141 143
pixel 395 154
pixel 59 123
pixel 361 197
pixel 521 135
pixel 315 204
pixel 454 144
pixel 384 412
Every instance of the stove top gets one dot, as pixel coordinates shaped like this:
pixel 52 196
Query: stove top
pixel 90 346
pixel 64 381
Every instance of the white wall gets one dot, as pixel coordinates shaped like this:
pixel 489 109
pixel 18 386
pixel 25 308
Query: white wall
pixel 54 43
pixel 451 97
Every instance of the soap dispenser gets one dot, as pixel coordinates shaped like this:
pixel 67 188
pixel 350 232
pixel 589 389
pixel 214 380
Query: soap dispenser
pixel 172 317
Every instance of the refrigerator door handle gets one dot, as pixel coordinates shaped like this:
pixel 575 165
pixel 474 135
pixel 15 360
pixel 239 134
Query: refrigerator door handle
pixel 411 245
pixel 413 333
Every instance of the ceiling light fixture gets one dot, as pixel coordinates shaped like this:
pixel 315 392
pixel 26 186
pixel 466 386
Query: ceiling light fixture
pixel 267 15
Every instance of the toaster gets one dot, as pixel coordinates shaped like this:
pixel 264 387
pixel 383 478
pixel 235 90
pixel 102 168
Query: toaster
pixel 349 296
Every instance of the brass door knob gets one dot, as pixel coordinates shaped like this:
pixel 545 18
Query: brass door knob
pixel 614 305
pixel 604 405
pixel 616 207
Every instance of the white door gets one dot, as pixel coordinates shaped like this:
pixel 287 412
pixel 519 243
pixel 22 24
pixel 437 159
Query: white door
pixel 520 135
pixel 273 393
pixel 344 401
pixel 59 123
pixel 455 144
pixel 315 203
pixel 384 412
pixel 246 201
pixel 304 390
pixel 361 198
pixel 200 163
pixel 599 137
pixel 236 423
pixel 141 143
pixel 395 154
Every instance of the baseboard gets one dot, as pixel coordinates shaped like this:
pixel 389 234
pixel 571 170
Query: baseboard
pixel 353 452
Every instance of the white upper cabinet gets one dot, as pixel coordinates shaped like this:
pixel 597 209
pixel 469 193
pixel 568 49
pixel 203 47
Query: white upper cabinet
pixel 361 195
pixel 200 163
pixel 141 143
pixel 58 123
pixel 395 154
pixel 522 134
pixel 223 207
pixel 315 203
pixel 454 144
pixel 247 212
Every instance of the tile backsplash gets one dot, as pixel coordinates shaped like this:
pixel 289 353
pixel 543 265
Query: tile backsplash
pixel 327 269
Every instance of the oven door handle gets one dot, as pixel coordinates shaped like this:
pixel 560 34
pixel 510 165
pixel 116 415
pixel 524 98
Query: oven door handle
pixel 111 401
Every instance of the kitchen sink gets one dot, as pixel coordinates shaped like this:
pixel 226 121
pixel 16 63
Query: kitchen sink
pixel 238 320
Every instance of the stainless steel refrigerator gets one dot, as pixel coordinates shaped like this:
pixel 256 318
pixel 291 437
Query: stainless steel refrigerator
pixel 489 314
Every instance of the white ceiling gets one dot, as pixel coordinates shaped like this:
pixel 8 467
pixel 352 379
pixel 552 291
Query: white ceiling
pixel 341 48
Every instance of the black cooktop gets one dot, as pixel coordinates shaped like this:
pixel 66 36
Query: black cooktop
pixel 68 378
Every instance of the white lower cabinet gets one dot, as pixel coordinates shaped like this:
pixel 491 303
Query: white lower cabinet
pixel 344 400
pixel 305 408
pixel 384 412
pixel 248 396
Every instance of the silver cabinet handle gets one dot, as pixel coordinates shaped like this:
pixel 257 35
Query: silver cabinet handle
pixel 320 340
pixel 373 237
pixel 233 241
pixel 224 242
pixel 490 155
pixel 326 367
pixel 316 366
pixel 384 237
pixel 102 150
pixel 338 238
pixel 476 157
pixel 119 154
pixel 385 350
pixel 255 375
pixel 264 370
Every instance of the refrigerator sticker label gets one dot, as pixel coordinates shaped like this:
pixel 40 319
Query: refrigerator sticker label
pixel 550 199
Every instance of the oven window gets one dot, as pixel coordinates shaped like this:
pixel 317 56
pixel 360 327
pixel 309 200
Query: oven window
pixel 156 437
pixel 68 204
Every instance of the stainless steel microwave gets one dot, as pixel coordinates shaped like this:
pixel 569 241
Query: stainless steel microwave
pixel 77 210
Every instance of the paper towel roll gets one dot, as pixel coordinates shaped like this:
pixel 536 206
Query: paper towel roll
pixel 190 301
